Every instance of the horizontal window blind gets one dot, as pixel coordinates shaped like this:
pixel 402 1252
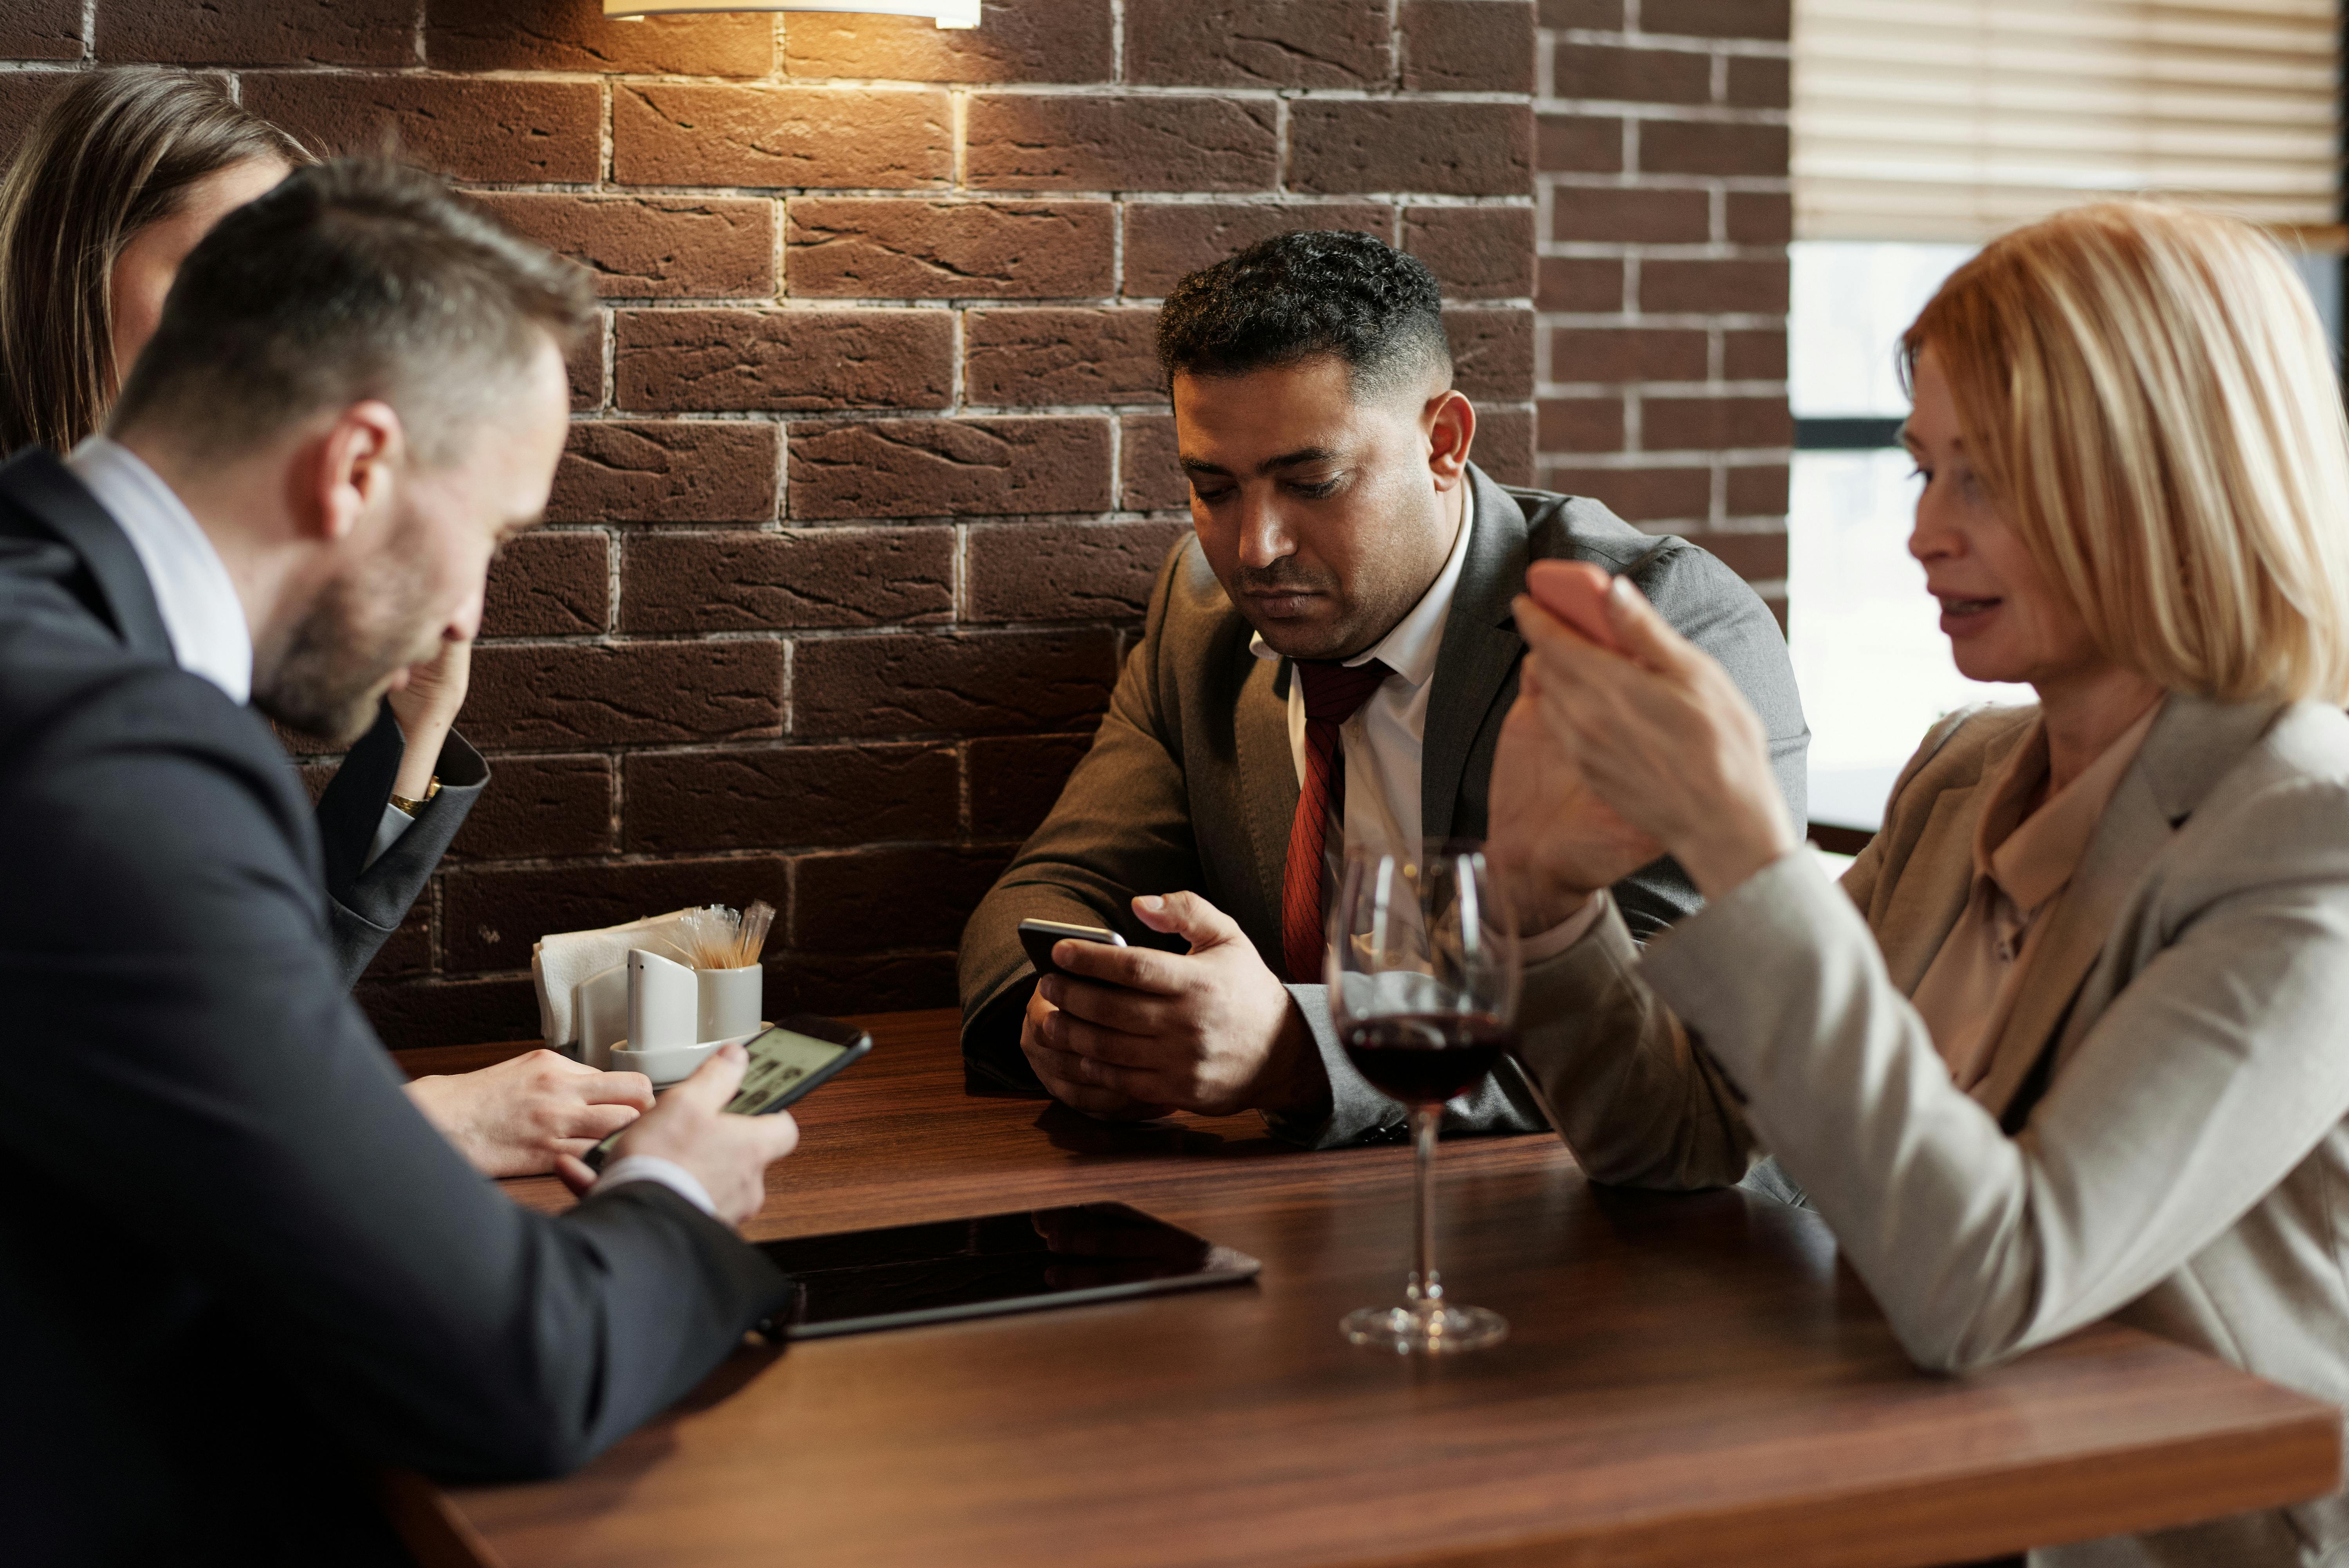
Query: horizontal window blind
pixel 1956 119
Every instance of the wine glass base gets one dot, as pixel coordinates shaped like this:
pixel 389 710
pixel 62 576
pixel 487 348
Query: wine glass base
pixel 1423 1330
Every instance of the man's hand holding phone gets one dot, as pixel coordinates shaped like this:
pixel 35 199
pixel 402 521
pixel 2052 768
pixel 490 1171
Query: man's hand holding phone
pixel 690 1127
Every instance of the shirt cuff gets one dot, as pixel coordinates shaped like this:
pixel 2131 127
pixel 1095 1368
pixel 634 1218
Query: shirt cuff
pixel 652 1168
pixel 1565 933
pixel 387 833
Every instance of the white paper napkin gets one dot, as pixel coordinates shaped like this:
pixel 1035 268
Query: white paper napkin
pixel 559 962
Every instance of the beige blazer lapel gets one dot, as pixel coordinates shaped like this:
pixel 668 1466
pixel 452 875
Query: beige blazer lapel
pixel 1929 894
pixel 1267 785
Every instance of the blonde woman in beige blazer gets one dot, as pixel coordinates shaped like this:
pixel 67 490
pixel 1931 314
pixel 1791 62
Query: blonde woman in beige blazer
pixel 2071 1041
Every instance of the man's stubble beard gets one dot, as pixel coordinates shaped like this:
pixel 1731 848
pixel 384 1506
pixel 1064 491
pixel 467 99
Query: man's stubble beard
pixel 363 625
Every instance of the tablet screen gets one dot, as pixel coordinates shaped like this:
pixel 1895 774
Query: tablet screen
pixel 1021 1261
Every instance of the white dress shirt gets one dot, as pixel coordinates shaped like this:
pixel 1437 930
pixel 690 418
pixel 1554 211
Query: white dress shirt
pixel 1383 742
pixel 205 621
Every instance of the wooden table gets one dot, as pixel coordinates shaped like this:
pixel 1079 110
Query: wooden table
pixel 1688 1380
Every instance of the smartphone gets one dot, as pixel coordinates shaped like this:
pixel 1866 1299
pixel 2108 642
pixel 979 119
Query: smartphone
pixel 1038 937
pixel 787 1063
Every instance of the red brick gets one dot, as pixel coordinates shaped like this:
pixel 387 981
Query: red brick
pixel 652 248
pixel 1452 148
pixel 668 471
pixel 1694 424
pixel 585 366
pixel 834 984
pixel 41 30
pixel 1581 424
pixel 1064 41
pixel 1758 492
pixel 572 694
pixel 1765 19
pixel 493 913
pixel 1294 44
pixel 408 950
pixel 1167 241
pixel 685 134
pixel 1754 557
pixel 1598 15
pixel 430 1012
pixel 799 360
pixel 1035 358
pixel 570 36
pixel 1087 142
pixel 1492 351
pixel 783 797
pixel 1707 147
pixel 1755 356
pixel 473 128
pixel 1623 75
pixel 538 808
pixel 315 31
pixel 934 468
pixel 1475 253
pixel 1504 443
pixel 1610 214
pixel 1761 218
pixel 1579 144
pixel 550 585
pixel 22 96
pixel 1015 779
pixel 1626 354
pixel 1587 285
pixel 1760 81
pixel 1639 494
pixel 1149 479
pixel 868 899
pixel 978 683
pixel 1066 571
pixel 1743 287
pixel 738 581
pixel 844 247
pixel 1467 45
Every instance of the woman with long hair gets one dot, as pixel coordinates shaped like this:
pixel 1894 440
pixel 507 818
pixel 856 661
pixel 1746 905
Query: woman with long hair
pixel 2066 1044
pixel 116 181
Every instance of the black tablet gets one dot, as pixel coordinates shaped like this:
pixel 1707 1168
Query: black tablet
pixel 1022 1261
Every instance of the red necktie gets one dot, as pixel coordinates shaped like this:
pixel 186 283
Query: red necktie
pixel 1334 692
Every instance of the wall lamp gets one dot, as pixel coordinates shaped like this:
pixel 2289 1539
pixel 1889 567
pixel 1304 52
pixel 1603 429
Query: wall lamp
pixel 948 13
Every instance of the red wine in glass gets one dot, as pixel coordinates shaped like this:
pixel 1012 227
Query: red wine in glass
pixel 1425 1058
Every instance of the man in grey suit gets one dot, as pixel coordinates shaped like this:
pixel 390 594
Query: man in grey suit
pixel 1330 654
pixel 238 1269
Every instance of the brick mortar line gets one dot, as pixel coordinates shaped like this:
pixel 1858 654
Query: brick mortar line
pixel 1676 43
pixel 1257 196
pixel 1676 113
pixel 1688 457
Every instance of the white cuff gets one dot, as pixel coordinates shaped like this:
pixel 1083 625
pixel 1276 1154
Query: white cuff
pixel 387 833
pixel 1565 933
pixel 652 1168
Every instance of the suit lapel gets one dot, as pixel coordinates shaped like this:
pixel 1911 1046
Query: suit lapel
pixel 1930 893
pixel 1479 651
pixel 1267 780
pixel 48 493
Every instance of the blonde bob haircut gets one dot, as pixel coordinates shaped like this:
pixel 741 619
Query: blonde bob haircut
pixel 2147 395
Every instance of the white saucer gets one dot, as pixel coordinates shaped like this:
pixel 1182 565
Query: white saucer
pixel 670 1063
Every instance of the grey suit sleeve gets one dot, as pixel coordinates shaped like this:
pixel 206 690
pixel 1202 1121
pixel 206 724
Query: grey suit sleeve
pixel 1121 828
pixel 367 903
pixel 226 1104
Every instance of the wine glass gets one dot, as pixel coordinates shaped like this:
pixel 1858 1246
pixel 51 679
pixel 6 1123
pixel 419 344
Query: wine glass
pixel 1422 971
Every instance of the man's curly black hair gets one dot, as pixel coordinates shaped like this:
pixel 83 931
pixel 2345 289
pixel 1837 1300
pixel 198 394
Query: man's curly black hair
pixel 1296 296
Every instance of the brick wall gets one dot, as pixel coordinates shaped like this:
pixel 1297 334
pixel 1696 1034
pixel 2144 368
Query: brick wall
pixel 1660 355
pixel 871 471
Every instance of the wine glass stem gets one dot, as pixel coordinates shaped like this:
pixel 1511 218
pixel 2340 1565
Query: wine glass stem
pixel 1426 1289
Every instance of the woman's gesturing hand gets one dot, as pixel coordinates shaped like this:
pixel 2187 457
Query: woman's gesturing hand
pixel 1657 731
pixel 1554 839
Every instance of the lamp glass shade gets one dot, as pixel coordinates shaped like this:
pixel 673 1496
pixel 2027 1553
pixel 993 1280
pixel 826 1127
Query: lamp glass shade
pixel 948 13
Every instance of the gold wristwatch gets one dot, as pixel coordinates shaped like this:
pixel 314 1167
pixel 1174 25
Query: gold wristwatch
pixel 410 807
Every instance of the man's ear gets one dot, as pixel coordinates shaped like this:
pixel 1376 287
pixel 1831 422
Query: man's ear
pixel 352 472
pixel 1450 421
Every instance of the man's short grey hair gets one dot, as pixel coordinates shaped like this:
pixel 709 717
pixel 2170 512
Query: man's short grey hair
pixel 353 279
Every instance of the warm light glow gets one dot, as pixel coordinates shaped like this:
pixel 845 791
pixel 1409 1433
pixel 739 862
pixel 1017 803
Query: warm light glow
pixel 949 13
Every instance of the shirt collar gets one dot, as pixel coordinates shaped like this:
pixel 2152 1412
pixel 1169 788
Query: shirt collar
pixel 193 592
pixel 2033 857
pixel 1410 646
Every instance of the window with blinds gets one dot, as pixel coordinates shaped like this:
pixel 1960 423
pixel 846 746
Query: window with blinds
pixel 1956 119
